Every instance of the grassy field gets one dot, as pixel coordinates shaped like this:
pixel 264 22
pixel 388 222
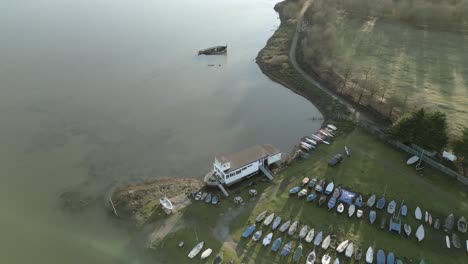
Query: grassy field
pixel 425 68
pixel 372 168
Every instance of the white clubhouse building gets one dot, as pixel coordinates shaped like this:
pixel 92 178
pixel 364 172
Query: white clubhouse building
pixel 230 169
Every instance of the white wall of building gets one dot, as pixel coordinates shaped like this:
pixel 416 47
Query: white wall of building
pixel 240 173
pixel 274 158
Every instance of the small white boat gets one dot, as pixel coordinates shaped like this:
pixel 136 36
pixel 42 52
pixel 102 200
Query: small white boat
pixel 467 245
pixel 407 229
pixel 346 149
pixel 196 249
pixel 426 216
pixel 311 141
pixel 329 188
pixel 257 235
pixel 269 219
pixel 418 213
pixel 311 257
pixel 412 160
pixel 308 145
pixel 332 127
pixel 342 246
pixel 351 210
pixel 293 228
pixel 261 216
pixel 303 231
pixel 276 223
pixel 305 146
pixel 359 213
pixel 302 193
pixel 369 255
pixel 349 250
pixel 318 238
pixel 206 253
pixel 324 133
pixel 391 207
pixel 326 242
pixel 267 240
pixel 340 208
pixel 326 259
pixel 310 236
pixel 337 261
pixel 447 241
pixel 420 233
pixel 166 203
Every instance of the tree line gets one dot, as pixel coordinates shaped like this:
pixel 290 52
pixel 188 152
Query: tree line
pixel 429 130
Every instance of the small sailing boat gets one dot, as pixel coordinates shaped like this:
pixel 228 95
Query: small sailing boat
pixel 293 228
pixel 311 257
pixel 284 226
pixel 326 259
pixel 286 249
pixel 420 233
pixel 349 250
pixel 310 236
pixel 206 253
pixel 257 235
pixel 369 255
pixel 340 208
pixel 303 231
pixel 371 201
pixel 318 238
pixel 297 253
pixel 326 242
pixel 276 245
pixel 381 203
pixel 276 222
pixel 261 216
pixel 248 231
pixel 342 246
pixel 372 216
pixel 269 219
pixel 404 210
pixel 267 240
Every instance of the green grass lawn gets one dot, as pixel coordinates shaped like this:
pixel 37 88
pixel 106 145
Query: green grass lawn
pixel 372 169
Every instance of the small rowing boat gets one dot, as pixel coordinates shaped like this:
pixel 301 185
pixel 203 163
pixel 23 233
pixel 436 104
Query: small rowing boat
pixel 340 208
pixel 267 240
pixel 461 224
pixel 303 231
pixel 447 241
pixel 286 249
pixel 311 197
pixel 248 231
pixel 331 202
pixel 346 149
pixel 359 213
pixel 380 257
pixel 311 257
pixel 206 253
pixel 257 235
pixel 381 203
pixel 456 241
pixel 412 160
pixel 391 207
pixel 407 229
pixel 166 203
pixel 297 253
pixel 404 210
pixel 326 259
pixel 329 188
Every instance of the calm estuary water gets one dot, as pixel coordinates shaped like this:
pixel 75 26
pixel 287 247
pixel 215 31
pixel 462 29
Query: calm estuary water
pixel 95 94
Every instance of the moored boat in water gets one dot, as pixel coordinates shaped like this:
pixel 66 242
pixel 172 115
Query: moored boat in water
pixel 216 50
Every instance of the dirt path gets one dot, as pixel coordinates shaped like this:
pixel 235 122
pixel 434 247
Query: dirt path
pixel 359 116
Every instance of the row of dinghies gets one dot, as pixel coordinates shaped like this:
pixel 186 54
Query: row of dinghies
pixel 319 239
pixel 322 136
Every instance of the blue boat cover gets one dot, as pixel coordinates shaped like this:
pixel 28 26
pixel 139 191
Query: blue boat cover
pixel 346 196
pixel 390 258
pixel 380 257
